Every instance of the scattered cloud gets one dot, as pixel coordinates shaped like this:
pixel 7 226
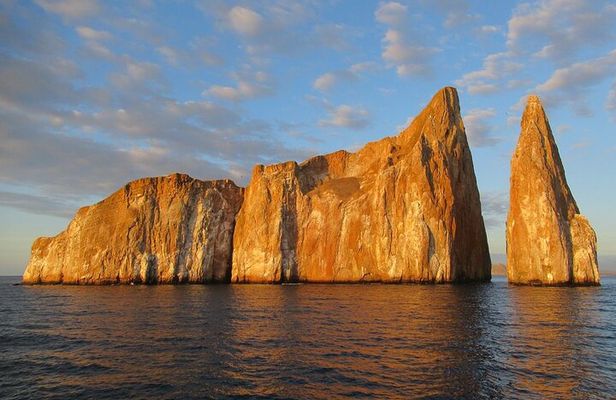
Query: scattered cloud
pixel 559 29
pixel 88 33
pixel 246 21
pixel 580 75
pixel 402 48
pixel 248 86
pixel 42 205
pixel 488 29
pixel 478 127
pixel 330 79
pixel 494 207
pixel 70 8
pixel 391 13
pixel 496 67
pixel 456 12
pixel 279 27
pixel 345 116
pixel 570 84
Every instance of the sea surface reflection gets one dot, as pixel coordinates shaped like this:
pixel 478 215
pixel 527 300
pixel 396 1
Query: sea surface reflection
pixel 307 341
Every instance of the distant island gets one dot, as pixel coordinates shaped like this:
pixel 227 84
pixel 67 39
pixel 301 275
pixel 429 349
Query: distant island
pixel 401 209
pixel 499 269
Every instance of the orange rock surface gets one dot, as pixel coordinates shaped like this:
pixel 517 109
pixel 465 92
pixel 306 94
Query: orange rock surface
pixel 153 230
pixel 401 209
pixel 548 241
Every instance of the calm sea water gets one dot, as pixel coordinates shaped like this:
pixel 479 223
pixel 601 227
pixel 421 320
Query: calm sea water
pixel 307 341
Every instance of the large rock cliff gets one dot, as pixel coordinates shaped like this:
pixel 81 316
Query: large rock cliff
pixel 153 230
pixel 548 241
pixel 402 209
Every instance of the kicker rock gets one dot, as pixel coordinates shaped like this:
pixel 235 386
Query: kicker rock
pixel 402 209
pixel 154 230
pixel 548 241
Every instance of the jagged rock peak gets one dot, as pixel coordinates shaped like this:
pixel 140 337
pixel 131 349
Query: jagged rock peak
pixel 401 209
pixel 548 241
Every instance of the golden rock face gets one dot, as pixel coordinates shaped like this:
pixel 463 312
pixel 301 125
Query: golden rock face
pixel 548 241
pixel 154 230
pixel 402 209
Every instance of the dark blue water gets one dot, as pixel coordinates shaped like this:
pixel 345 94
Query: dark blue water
pixel 307 341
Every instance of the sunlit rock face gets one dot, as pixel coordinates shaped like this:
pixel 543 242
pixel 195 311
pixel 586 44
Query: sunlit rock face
pixel 401 209
pixel 153 230
pixel 548 241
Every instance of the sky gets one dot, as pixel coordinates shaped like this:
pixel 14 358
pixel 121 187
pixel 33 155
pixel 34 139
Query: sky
pixel 94 94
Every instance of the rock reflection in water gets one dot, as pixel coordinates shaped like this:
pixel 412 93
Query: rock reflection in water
pixel 308 341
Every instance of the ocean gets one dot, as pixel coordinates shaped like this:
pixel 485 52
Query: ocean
pixel 307 341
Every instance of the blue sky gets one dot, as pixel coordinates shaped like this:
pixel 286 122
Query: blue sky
pixel 94 93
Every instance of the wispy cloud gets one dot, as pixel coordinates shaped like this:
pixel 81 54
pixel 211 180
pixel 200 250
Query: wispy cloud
pixel 494 206
pixel 247 86
pixel 496 67
pixel 559 29
pixel 346 116
pixel 401 48
pixel 478 127
pixel 88 33
pixel 70 8
pixel 330 79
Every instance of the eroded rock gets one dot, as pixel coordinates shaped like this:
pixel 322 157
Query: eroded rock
pixel 548 241
pixel 153 230
pixel 401 209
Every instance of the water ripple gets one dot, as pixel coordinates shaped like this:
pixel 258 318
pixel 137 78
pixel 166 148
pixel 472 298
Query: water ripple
pixel 307 341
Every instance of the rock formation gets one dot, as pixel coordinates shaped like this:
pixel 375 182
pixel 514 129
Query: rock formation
pixel 154 230
pixel 402 209
pixel 548 241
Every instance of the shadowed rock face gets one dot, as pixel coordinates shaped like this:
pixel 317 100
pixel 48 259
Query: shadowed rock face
pixel 154 230
pixel 548 241
pixel 402 209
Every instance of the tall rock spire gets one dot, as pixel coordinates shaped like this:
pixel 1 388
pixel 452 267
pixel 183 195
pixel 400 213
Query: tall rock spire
pixel 548 241
pixel 401 209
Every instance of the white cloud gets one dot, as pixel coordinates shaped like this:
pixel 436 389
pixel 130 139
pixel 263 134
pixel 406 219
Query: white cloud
pixel 248 86
pixel 345 116
pixel 488 29
pixel 496 67
pixel 401 48
pixel 456 12
pixel 329 79
pixel 171 55
pixel 391 13
pixel 581 75
pixel 494 207
pixel 88 33
pixel 246 21
pixel 70 8
pixel 559 29
pixel 478 128
pixel 195 56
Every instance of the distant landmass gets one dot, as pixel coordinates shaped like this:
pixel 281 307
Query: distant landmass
pixel 499 269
